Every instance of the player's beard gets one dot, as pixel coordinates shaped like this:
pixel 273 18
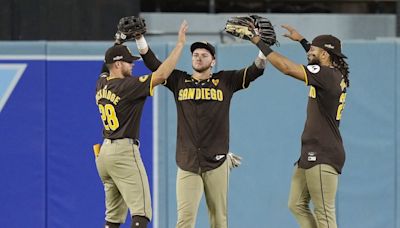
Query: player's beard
pixel 201 69
pixel 313 60
pixel 127 72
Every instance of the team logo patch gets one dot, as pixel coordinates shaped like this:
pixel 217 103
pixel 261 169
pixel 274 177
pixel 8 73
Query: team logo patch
pixel 313 68
pixel 215 82
pixel 143 78
pixel 330 46
pixel 119 57
pixel 312 156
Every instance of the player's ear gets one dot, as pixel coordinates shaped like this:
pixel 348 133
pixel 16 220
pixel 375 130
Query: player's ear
pixel 326 54
pixel 213 63
pixel 117 64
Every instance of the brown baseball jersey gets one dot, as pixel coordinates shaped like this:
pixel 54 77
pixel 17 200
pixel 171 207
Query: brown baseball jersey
pixel 120 102
pixel 203 113
pixel 321 142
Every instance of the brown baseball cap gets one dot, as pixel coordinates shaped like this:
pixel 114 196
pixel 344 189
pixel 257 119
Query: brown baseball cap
pixel 119 52
pixel 329 43
pixel 203 44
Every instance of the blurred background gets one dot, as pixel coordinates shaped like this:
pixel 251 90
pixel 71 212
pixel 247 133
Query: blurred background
pixel 51 53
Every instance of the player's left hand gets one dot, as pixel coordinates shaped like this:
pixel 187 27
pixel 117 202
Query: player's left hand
pixel 252 28
pixel 129 28
pixel 293 34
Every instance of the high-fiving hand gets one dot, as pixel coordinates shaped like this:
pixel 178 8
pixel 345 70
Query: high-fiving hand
pixel 182 32
pixel 293 34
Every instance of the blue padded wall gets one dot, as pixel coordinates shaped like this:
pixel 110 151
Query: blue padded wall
pixel 48 126
pixel 267 134
pixel 74 187
pixel 369 128
pixel 23 152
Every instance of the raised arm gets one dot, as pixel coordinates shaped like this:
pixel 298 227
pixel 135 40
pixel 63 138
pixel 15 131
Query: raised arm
pixel 166 68
pixel 261 32
pixel 260 61
pixel 149 58
pixel 279 61
pixel 256 69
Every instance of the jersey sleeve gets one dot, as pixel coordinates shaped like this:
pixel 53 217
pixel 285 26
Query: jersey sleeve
pixel 150 60
pixel 172 81
pixel 101 81
pixel 318 76
pixel 139 86
pixel 241 79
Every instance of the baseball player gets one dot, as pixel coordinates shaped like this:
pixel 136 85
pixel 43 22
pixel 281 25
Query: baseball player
pixel 203 100
pixel 120 99
pixel 322 155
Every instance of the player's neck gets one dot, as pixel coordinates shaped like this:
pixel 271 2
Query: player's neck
pixel 202 76
pixel 115 75
pixel 326 63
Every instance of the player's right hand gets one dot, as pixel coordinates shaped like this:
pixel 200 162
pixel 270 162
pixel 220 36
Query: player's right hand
pixel 182 32
pixel 293 34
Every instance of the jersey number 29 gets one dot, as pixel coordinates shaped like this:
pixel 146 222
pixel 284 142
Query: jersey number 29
pixel 109 117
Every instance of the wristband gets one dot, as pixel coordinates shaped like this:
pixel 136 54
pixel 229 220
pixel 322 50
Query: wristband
pixel 141 43
pixel 305 44
pixel 261 55
pixel 264 48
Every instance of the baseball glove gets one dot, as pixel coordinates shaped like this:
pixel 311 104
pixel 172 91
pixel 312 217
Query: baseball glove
pixel 249 26
pixel 241 27
pixel 129 28
pixel 235 160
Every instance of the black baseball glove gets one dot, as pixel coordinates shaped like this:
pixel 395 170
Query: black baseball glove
pixel 129 28
pixel 240 27
pixel 249 26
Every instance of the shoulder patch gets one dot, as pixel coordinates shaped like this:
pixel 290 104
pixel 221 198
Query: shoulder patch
pixel 313 68
pixel 143 78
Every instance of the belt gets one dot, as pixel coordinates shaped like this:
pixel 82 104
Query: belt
pixel 124 140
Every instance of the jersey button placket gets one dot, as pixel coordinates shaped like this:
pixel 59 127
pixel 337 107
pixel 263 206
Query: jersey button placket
pixel 198 158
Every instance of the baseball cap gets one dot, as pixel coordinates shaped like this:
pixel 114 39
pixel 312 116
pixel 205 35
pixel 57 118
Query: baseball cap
pixel 203 44
pixel 329 43
pixel 119 52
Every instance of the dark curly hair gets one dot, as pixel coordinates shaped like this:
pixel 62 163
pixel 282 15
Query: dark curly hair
pixel 342 66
